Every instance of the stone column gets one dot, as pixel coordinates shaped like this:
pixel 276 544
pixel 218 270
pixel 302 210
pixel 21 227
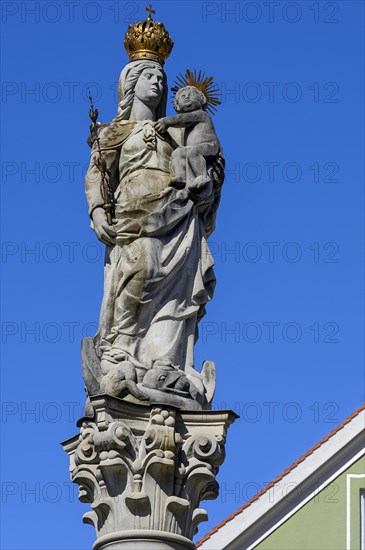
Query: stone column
pixel 145 470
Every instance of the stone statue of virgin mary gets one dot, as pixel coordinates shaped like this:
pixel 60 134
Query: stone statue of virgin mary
pixel 158 268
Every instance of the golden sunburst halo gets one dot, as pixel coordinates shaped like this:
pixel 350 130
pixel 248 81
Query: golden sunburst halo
pixel 203 83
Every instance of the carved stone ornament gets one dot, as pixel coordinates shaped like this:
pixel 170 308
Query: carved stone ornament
pixel 145 470
pixel 149 447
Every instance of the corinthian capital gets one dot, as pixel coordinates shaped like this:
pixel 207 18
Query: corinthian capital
pixel 145 470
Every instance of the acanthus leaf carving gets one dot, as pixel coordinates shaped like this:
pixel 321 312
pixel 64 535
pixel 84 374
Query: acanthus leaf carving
pixel 150 474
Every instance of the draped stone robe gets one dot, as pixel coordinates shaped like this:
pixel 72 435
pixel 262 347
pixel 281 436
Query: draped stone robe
pixel 159 276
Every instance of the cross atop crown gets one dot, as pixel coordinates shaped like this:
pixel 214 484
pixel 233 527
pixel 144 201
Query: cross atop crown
pixel 150 11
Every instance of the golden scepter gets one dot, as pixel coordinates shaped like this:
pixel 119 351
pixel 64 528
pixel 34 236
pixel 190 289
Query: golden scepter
pixel 100 163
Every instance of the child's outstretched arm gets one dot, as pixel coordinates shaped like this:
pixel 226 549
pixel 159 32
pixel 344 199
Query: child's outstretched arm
pixel 184 120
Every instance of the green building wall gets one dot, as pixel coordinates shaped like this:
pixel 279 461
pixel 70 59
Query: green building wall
pixel 321 524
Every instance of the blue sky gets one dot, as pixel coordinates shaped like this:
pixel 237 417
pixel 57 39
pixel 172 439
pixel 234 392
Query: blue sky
pixel 285 327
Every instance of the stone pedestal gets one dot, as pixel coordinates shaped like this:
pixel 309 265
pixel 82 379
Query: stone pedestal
pixel 145 470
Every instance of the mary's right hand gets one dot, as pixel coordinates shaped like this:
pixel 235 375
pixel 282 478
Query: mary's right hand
pixel 104 232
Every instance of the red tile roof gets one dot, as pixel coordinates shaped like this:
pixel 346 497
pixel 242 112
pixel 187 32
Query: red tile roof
pixel 280 477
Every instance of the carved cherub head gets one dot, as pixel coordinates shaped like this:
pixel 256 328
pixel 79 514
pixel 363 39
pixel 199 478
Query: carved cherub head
pixel 189 99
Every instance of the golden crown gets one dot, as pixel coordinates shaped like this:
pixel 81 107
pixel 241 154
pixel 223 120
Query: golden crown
pixel 148 40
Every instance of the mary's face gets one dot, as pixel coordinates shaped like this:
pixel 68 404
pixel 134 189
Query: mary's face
pixel 149 87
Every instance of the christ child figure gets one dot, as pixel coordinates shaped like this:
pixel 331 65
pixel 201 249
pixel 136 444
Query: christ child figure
pixel 201 145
